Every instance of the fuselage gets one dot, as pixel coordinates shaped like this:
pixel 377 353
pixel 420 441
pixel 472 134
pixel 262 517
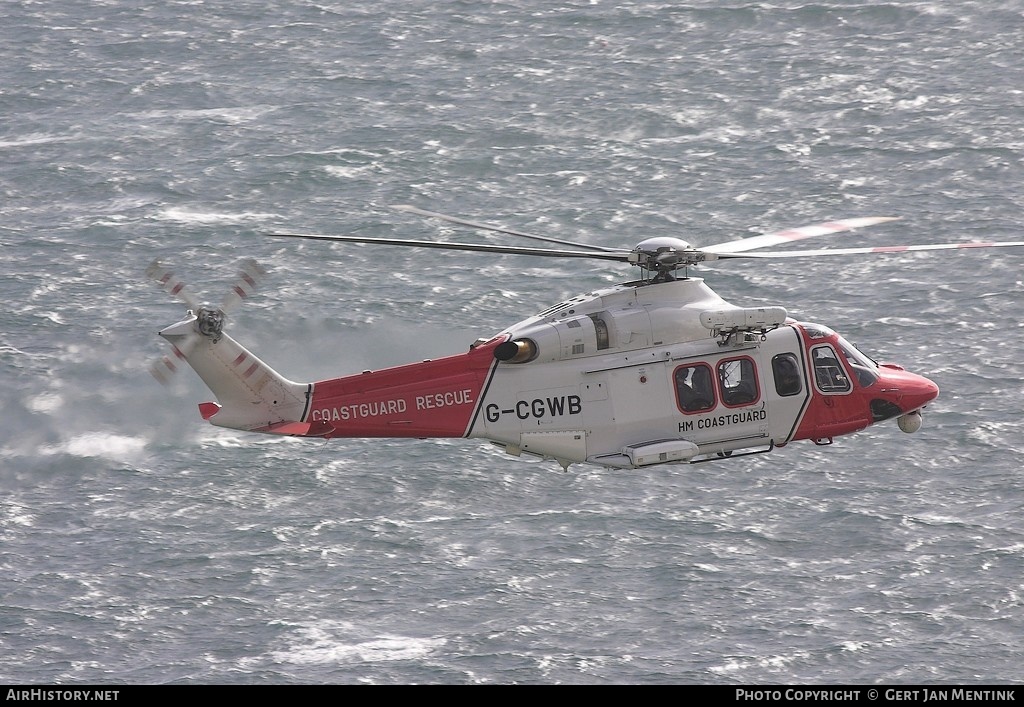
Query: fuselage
pixel 628 376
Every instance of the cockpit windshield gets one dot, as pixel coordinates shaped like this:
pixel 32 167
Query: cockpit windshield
pixel 816 331
pixel 865 370
pixel 863 367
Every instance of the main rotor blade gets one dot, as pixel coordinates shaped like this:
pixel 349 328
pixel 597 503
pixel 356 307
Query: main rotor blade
pixel 499 229
pixel 796 234
pixel 479 247
pixel 878 249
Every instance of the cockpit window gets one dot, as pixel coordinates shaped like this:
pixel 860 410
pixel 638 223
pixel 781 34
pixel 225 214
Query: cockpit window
pixel 829 374
pixel 862 366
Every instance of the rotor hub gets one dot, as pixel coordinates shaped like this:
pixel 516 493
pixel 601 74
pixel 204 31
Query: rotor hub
pixel 664 254
pixel 210 323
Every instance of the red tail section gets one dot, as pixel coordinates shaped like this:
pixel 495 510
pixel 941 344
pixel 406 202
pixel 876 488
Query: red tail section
pixel 436 398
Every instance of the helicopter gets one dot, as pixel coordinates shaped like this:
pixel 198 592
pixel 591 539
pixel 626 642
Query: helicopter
pixel 657 370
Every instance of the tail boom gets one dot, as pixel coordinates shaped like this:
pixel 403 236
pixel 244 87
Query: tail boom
pixel 438 398
pixel 434 398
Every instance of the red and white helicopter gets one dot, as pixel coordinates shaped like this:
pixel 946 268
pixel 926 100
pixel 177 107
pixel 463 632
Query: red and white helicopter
pixel 658 370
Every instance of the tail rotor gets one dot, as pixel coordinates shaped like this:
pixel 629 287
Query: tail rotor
pixel 201 320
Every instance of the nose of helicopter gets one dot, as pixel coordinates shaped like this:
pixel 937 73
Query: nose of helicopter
pixel 907 391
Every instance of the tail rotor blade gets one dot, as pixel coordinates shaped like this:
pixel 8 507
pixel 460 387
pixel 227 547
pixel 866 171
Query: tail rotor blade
pixel 171 283
pixel 165 369
pixel 249 274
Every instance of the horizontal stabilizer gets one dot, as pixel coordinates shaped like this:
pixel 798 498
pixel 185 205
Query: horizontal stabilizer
pixel 208 410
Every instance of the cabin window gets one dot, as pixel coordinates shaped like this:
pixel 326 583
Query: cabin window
pixel 694 388
pixel 786 370
pixel 829 374
pixel 737 381
pixel 601 331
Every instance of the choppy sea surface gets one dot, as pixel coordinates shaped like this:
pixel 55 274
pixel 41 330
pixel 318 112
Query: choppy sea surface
pixel 140 545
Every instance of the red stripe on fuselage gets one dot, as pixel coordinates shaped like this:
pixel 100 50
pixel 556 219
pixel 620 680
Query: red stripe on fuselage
pixel 429 399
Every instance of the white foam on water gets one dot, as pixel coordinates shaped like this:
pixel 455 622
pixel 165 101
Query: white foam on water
pixel 212 218
pixel 105 445
pixel 334 643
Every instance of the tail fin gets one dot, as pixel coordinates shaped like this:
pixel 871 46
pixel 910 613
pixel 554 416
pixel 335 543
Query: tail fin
pixel 250 394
